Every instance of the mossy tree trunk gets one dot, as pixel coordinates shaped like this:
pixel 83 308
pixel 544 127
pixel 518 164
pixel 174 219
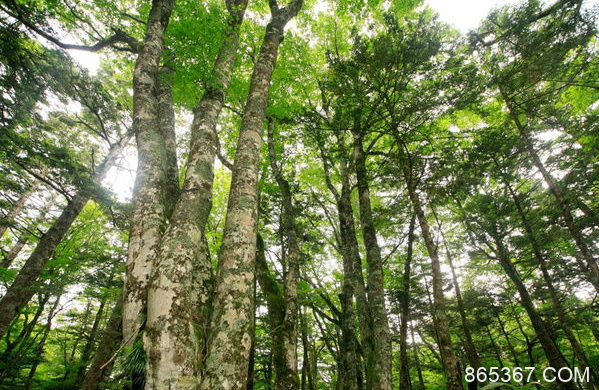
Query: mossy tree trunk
pixel 179 293
pixel 287 375
pixel 404 372
pixel 450 363
pixel 379 356
pixel 101 365
pixel 149 206
pixel 229 341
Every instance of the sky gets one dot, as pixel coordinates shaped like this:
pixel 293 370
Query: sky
pixel 462 14
pixel 465 14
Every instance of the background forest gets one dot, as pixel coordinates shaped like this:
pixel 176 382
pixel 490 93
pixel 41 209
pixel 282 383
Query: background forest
pixel 328 195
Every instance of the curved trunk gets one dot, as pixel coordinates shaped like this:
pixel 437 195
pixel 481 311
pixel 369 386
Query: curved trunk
pixel 229 340
pixel 178 297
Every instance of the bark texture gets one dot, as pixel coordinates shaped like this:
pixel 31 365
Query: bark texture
pixel 349 363
pixel 450 363
pixel 404 372
pixel 17 206
pixel 180 288
pixel 23 287
pixel 149 205
pixel 379 357
pixel 101 365
pixel 554 188
pixel 230 339
pixel 554 357
pixel 287 377
pixel 27 233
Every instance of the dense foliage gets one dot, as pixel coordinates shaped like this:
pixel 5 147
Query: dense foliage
pixel 376 201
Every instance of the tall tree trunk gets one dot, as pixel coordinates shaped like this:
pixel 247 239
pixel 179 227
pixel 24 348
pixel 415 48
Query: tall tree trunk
pixel 288 378
pixel 496 349
pixel 379 359
pixel 555 189
pixel 276 304
pixel 252 359
pixel 40 346
pixel 404 372
pixel 554 357
pixel 417 360
pixel 308 379
pixel 25 235
pixel 23 287
pixel 178 297
pixel 529 347
pixel 17 206
pixel 347 361
pixel 555 300
pixel 230 338
pixel 166 126
pixel 149 193
pixel 450 364
pixel 87 350
pixel 471 353
pixel 101 364
pixel 510 346
pixel 350 253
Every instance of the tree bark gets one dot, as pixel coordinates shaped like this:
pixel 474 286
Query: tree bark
pixel 23 287
pixel 87 350
pixel 351 254
pixel 17 206
pixel 101 364
pixel 178 297
pixel 404 372
pixel 529 348
pixel 149 205
pixel 379 359
pixel 230 337
pixel 417 360
pixel 554 188
pixel 505 334
pixel 555 300
pixel 348 377
pixel 471 353
pixel 450 364
pixel 276 304
pixel 288 376
pixel 554 357
pixel 41 345
pixel 166 125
